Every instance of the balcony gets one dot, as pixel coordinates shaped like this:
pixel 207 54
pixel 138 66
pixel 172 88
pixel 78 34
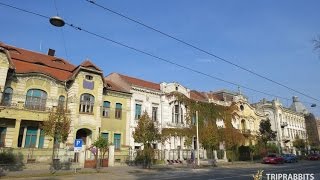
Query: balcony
pixel 285 139
pixel 176 125
pixel 283 124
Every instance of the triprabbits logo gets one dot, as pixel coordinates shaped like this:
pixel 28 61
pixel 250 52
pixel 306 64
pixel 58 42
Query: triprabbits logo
pixel 282 176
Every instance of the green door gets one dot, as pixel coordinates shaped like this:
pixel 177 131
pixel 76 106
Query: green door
pixel 31 137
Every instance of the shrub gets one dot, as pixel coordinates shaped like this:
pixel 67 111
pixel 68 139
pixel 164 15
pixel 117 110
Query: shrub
pixel 11 161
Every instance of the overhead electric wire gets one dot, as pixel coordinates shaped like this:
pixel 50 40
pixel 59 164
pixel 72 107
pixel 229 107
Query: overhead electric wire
pixel 200 49
pixel 148 54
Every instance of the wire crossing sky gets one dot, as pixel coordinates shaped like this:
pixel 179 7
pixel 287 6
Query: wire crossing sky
pixel 201 50
pixel 285 54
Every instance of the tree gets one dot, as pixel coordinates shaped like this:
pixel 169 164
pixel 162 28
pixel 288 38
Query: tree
pixel 299 143
pixel 312 131
pixel 58 127
pixel 208 136
pixel 266 133
pixel 102 145
pixel 146 133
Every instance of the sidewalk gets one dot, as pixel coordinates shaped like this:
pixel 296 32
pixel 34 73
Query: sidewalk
pixel 42 170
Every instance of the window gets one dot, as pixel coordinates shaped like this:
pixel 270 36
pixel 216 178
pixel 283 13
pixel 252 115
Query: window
pixel 154 113
pixel 106 109
pixel 3 131
pixel 31 137
pixel 118 111
pixel 177 113
pixel 41 139
pixel 36 99
pixel 117 140
pixel 194 119
pixel 89 77
pixel 138 111
pixel 86 103
pixel 105 136
pixel 61 101
pixel 7 96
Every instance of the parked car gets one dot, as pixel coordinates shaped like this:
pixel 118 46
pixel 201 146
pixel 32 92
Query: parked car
pixel 313 157
pixel 290 158
pixel 273 159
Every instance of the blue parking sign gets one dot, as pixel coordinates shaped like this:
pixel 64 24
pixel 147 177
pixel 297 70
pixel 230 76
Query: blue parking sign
pixel 78 145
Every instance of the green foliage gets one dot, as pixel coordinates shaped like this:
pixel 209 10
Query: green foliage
pixel 11 161
pixel 208 114
pixel 57 125
pixel 312 131
pixel 146 133
pixel 299 143
pixel 266 133
pixel 102 144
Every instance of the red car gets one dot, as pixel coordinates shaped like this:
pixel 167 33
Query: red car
pixel 313 157
pixel 273 159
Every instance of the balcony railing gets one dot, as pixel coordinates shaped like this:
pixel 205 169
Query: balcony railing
pixel 179 125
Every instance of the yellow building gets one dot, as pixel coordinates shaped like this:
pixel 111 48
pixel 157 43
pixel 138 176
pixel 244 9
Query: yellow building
pixel 32 84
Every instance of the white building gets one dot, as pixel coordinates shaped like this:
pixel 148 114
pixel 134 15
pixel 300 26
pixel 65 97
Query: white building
pixel 287 122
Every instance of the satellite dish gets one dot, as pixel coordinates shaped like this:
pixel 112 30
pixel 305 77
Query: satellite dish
pixel 57 21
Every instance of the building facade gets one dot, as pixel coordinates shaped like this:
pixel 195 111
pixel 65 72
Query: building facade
pixel 287 122
pixel 33 84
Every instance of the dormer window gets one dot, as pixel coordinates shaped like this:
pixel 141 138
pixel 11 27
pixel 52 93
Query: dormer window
pixel 89 77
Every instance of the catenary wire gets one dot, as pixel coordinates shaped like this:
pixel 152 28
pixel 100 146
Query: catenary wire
pixel 149 54
pixel 200 49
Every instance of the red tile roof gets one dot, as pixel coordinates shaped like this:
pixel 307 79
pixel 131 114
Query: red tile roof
pixel 112 86
pixel 87 63
pixel 140 82
pixel 26 61
pixel 198 96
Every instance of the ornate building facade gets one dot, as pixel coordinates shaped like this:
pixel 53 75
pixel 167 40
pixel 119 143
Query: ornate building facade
pixel 32 84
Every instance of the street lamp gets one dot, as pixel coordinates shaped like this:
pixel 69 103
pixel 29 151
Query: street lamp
pixel 198 155
pixel 57 21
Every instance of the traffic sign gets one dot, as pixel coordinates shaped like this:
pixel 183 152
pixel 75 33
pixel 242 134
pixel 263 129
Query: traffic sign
pixel 77 145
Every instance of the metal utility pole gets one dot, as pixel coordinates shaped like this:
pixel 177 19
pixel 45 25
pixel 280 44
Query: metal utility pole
pixel 198 154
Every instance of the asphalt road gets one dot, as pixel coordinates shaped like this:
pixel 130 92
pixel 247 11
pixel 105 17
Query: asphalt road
pixel 240 172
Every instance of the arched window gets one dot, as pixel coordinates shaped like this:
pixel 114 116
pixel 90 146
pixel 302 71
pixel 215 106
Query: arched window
pixel 36 99
pixel 106 109
pixel 61 101
pixel 118 111
pixel 7 96
pixel 86 103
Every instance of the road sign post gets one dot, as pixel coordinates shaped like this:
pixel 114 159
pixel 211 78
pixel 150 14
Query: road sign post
pixel 77 148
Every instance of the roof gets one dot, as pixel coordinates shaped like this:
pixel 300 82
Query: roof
pixel 88 64
pixel 114 87
pixel 26 61
pixel 140 82
pixel 297 106
pixel 195 95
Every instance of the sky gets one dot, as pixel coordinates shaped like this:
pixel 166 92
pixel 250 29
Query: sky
pixel 272 38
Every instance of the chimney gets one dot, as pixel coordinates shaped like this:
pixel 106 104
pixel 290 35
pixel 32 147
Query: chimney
pixel 51 52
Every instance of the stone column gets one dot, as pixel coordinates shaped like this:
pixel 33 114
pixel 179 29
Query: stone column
pixel 24 137
pixel 38 137
pixel 205 154
pixel 166 154
pixel 215 154
pixel 111 156
pixel 181 155
pixel 225 155
pixel 16 134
